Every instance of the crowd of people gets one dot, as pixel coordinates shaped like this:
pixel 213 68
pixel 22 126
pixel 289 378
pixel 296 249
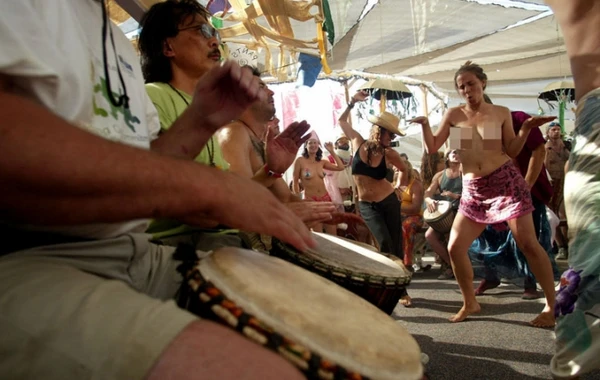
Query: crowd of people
pixel 112 160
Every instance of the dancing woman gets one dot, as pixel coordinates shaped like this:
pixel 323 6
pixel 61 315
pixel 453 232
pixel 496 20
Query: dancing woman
pixel 377 201
pixel 493 189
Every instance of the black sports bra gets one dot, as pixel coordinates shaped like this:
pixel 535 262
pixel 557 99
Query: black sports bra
pixel 361 168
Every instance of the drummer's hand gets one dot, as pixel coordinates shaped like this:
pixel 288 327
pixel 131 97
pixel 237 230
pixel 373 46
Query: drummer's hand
pixel 282 148
pixel 432 205
pixel 449 194
pixel 343 217
pixel 312 212
pixel 263 214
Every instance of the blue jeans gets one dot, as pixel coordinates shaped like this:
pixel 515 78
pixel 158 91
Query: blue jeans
pixel 384 220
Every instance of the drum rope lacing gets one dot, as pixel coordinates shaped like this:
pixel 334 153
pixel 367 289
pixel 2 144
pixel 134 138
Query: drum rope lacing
pixel 203 298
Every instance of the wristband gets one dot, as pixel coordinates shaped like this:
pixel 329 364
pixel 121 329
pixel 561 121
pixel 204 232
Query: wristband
pixel 271 173
pixel 350 104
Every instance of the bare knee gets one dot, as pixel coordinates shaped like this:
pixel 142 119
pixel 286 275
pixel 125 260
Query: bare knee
pixel 206 350
pixel 528 245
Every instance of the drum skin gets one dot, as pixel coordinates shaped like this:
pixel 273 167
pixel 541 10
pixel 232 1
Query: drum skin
pixel 325 330
pixel 363 271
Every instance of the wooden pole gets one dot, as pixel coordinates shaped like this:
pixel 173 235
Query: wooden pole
pixel 425 106
pixel 382 101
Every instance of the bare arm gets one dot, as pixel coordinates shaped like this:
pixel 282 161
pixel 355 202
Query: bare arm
pixel 338 166
pixel 345 122
pixel 190 132
pixel 434 187
pixel 296 176
pixel 535 165
pixel 433 142
pixel 394 158
pixel 417 199
pixel 513 144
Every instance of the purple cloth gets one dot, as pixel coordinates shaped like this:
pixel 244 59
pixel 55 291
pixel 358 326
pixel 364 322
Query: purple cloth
pixel 542 189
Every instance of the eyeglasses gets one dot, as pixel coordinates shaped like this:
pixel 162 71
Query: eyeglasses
pixel 206 30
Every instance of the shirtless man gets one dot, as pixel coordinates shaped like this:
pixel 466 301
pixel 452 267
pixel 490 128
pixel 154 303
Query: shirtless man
pixel 253 156
pixel 578 300
pixel 493 189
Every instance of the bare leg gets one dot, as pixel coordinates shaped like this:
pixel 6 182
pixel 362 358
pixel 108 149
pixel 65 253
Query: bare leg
pixel 464 231
pixel 539 263
pixel 434 239
pixel 206 350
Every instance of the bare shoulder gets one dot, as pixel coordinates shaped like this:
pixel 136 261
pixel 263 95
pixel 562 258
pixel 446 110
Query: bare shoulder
pixel 501 110
pixel 234 132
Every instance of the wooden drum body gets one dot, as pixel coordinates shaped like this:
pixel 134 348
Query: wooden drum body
pixel 323 329
pixel 442 218
pixel 361 270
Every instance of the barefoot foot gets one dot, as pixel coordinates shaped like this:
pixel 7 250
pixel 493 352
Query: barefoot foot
pixel 465 311
pixel 406 301
pixel 544 320
pixel 486 285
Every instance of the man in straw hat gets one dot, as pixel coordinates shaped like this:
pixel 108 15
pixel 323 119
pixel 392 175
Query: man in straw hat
pixel 578 300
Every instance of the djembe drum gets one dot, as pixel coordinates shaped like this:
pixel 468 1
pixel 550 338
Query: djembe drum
pixel 361 270
pixel 323 329
pixel 442 218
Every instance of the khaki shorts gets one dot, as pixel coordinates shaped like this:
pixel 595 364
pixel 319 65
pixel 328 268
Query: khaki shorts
pixel 91 310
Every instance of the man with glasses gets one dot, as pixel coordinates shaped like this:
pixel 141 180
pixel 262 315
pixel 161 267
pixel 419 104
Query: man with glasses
pixel 83 294
pixel 178 46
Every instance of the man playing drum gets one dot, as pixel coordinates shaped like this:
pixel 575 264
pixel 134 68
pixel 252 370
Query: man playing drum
pixel 83 294
pixel 445 186
pixel 493 189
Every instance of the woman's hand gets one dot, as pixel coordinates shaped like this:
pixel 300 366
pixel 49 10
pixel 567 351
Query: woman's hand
pixel 360 96
pixel 423 120
pixel 536 122
pixel 329 147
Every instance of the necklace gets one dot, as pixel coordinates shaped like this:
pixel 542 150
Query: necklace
pixel 257 143
pixel 211 142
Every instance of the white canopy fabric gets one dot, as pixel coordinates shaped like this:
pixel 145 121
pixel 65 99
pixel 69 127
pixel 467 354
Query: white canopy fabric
pixel 407 29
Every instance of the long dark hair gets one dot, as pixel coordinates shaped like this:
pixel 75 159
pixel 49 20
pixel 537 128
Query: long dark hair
pixel 163 21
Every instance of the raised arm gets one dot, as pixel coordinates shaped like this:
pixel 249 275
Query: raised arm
pixel 345 120
pixel 434 141
pixel 339 165
pixel 190 132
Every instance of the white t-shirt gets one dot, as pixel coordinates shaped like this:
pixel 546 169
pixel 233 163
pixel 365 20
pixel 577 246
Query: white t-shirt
pixel 54 50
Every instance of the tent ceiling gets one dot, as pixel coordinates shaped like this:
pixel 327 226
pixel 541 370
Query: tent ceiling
pixel 401 29
pixel 427 39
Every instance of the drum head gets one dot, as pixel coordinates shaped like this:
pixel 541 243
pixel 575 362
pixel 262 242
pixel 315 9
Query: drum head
pixel 316 313
pixel 343 254
pixel 443 208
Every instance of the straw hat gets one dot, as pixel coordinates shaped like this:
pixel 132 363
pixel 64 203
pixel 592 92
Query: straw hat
pixel 340 136
pixel 388 121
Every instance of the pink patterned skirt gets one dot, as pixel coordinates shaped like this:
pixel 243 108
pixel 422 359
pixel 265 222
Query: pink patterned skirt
pixel 497 197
